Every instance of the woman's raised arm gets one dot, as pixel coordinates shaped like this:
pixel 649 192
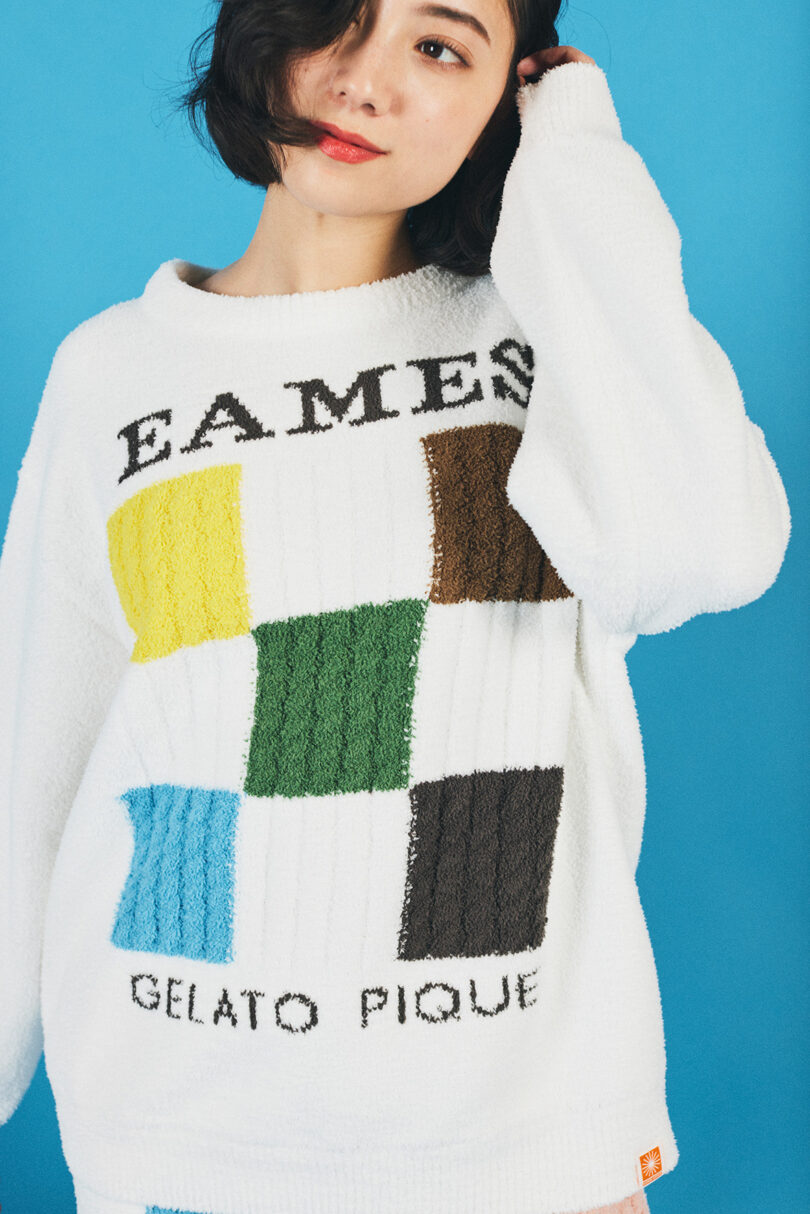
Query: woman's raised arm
pixel 652 491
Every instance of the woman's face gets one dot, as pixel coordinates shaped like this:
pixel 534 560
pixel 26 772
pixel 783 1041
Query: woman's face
pixel 418 80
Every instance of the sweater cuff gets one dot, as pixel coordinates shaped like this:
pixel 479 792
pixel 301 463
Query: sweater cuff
pixel 569 99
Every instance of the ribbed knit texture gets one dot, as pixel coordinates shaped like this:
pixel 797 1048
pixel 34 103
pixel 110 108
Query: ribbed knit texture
pixel 323 786
pixel 89 1202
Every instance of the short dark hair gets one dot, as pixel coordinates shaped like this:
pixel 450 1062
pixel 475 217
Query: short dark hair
pixel 242 91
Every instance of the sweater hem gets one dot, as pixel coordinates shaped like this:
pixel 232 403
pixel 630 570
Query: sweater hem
pixel 568 1162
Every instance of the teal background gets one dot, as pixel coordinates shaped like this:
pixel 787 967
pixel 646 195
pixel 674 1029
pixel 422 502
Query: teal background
pixel 100 184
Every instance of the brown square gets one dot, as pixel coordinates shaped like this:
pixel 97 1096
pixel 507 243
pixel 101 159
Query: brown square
pixel 483 549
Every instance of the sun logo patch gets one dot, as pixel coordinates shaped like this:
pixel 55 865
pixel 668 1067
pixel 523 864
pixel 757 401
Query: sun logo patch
pixel 649 1166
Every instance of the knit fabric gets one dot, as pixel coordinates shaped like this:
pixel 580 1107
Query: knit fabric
pixel 88 1202
pixel 323 785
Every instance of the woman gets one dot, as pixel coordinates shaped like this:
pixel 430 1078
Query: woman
pixel 326 784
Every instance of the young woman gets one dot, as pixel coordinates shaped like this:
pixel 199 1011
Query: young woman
pixel 324 782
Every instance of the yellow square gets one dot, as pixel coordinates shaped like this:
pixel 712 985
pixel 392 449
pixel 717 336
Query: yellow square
pixel 178 561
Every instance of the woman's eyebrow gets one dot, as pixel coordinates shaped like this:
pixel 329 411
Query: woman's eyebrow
pixel 454 14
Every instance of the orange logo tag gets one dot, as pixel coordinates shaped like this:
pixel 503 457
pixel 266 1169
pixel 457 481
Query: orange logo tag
pixel 649 1166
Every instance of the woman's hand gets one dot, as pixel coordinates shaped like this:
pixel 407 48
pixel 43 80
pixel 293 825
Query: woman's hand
pixel 533 66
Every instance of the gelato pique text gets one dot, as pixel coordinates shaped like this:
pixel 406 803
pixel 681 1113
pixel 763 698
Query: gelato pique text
pixel 434 1002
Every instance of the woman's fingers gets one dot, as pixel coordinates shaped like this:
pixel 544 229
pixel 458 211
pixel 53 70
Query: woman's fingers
pixel 552 56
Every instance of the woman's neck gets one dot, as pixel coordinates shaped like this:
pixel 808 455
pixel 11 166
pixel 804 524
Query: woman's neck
pixel 296 250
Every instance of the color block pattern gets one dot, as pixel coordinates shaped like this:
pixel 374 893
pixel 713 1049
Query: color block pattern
pixel 333 711
pixel 480 863
pixel 178 897
pixel 176 555
pixel 333 701
pixel 483 549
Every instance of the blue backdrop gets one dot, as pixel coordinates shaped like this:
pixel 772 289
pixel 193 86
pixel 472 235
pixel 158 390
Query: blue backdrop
pixel 101 183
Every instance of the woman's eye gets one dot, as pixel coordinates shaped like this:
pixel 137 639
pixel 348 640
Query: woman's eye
pixel 445 46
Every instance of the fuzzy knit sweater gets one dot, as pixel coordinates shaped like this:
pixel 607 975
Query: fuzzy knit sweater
pixel 322 779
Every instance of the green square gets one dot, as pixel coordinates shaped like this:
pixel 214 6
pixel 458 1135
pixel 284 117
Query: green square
pixel 334 694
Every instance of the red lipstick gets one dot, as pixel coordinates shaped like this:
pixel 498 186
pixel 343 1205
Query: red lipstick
pixel 345 145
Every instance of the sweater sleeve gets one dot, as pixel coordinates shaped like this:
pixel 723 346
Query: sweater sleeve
pixel 60 660
pixel 640 473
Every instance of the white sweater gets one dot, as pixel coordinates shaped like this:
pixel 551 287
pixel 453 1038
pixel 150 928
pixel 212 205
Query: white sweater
pixel 322 782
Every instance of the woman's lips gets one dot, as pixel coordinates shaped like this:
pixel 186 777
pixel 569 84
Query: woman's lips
pixel 338 149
